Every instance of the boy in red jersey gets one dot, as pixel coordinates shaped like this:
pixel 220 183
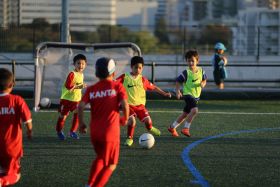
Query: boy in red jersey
pixel 136 86
pixel 105 98
pixel 71 95
pixel 13 112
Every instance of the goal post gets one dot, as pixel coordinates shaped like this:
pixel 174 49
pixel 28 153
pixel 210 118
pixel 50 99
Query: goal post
pixel 54 60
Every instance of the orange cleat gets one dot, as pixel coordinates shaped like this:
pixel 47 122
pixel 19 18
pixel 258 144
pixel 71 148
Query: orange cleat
pixel 173 132
pixel 186 132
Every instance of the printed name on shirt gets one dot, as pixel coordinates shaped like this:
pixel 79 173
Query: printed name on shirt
pixel 7 111
pixel 102 93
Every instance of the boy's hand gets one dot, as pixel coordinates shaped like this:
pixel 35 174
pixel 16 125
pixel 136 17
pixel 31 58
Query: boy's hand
pixel 178 94
pixel 168 94
pixel 29 134
pixel 202 84
pixel 123 121
pixel 83 128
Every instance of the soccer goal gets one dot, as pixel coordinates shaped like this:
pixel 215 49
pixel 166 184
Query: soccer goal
pixel 54 60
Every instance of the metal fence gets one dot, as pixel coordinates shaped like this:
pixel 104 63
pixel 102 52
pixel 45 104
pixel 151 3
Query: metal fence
pixel 252 40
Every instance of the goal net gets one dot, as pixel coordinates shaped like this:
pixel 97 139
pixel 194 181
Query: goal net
pixel 54 60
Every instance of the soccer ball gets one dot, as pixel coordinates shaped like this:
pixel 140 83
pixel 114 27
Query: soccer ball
pixel 45 102
pixel 146 141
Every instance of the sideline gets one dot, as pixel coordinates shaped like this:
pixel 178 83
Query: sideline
pixel 199 179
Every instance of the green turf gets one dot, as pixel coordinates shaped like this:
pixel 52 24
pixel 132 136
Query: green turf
pixel 248 159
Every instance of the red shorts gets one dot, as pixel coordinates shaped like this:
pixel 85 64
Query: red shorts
pixel 67 106
pixel 107 151
pixel 139 111
pixel 9 166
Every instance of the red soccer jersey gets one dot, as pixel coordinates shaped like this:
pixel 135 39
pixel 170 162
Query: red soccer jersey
pixel 104 98
pixel 13 112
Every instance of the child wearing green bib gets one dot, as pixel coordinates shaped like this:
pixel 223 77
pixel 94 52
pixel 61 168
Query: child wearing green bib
pixel 193 79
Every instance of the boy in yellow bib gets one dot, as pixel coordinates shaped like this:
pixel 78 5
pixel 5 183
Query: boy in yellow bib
pixel 136 86
pixel 71 95
pixel 193 79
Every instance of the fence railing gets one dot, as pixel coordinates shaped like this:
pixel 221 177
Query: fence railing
pixel 165 73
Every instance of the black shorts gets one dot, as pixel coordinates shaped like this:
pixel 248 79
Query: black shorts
pixel 219 75
pixel 190 102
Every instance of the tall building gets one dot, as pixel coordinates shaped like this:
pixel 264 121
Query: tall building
pixel 9 12
pixel 84 15
pixel 135 13
pixel 258 32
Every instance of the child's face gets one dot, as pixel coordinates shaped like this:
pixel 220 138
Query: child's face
pixel 192 62
pixel 80 65
pixel 220 51
pixel 137 69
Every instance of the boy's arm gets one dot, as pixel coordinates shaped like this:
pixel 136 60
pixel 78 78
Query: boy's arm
pixel 178 90
pixel 125 110
pixel 161 92
pixel 28 125
pixel 82 125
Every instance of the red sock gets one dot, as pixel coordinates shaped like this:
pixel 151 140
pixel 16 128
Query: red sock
pixel 60 124
pixel 130 131
pixel 96 167
pixel 149 124
pixel 75 123
pixel 103 177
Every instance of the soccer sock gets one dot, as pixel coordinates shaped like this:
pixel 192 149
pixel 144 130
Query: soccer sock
pixel 187 125
pixel 103 177
pixel 75 123
pixel 149 124
pixel 60 124
pixel 130 131
pixel 96 167
pixel 175 124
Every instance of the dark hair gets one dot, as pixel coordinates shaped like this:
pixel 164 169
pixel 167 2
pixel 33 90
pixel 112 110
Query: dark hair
pixel 103 68
pixel 6 77
pixel 136 60
pixel 191 53
pixel 79 57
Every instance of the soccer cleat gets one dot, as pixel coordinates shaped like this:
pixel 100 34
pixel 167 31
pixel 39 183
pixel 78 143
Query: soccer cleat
pixel 173 131
pixel 61 135
pixel 186 132
pixel 74 135
pixel 155 131
pixel 128 142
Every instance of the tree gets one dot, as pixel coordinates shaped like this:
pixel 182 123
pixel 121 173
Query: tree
pixel 161 31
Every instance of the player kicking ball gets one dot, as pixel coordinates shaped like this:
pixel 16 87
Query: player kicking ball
pixel 136 86
pixel 105 98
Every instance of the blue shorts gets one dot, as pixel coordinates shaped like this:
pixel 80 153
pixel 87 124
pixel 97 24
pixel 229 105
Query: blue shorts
pixel 190 102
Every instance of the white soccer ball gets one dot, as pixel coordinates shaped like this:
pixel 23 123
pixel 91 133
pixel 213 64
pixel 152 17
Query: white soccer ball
pixel 146 141
pixel 45 102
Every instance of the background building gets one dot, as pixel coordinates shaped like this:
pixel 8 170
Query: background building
pixel 258 32
pixel 83 15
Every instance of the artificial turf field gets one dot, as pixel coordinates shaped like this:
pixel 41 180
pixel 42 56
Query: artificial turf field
pixel 216 158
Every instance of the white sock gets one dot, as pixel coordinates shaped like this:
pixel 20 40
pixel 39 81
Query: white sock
pixel 187 125
pixel 175 124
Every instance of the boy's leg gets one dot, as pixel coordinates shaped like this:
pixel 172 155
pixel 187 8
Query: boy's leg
pixel 176 123
pixel 130 131
pixel 104 176
pixel 149 126
pixel 74 127
pixel 60 122
pixel 96 167
pixel 189 119
pixel 12 172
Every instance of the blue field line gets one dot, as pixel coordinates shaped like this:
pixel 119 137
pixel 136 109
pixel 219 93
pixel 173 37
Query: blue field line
pixel 199 179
